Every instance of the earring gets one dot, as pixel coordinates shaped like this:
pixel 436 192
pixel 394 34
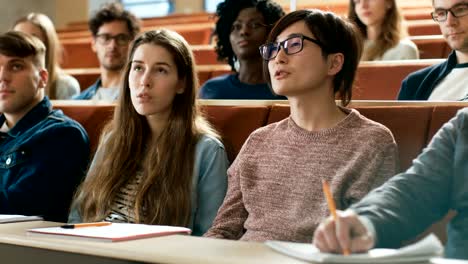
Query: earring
pixel 236 63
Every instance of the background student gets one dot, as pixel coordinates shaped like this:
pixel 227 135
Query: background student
pixel 444 81
pixel 43 153
pixel 60 85
pixel 380 23
pixel 112 28
pixel 274 189
pixel 159 161
pixel 242 26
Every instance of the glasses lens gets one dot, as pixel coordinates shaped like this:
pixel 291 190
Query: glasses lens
pixel 460 10
pixel 122 39
pixel 439 15
pixel 269 51
pixel 103 38
pixel 293 45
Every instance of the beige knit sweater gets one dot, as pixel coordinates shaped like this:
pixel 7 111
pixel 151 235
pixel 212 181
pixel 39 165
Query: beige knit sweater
pixel 274 187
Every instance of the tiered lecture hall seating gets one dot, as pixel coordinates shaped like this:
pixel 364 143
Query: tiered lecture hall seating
pixel 235 120
pixel 81 62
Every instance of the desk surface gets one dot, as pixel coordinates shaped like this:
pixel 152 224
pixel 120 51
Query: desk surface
pixel 168 249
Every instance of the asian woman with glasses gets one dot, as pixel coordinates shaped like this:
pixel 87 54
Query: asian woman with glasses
pixel 60 85
pixel 242 26
pixel 274 188
pixel 381 24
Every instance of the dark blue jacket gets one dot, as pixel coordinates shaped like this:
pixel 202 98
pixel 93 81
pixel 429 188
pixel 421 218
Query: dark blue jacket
pixel 420 84
pixel 228 86
pixel 43 158
pixel 89 92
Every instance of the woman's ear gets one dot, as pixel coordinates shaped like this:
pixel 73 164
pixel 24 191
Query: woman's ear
pixel 335 63
pixel 180 86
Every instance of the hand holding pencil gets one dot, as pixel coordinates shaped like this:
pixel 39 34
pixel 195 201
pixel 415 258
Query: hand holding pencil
pixel 342 232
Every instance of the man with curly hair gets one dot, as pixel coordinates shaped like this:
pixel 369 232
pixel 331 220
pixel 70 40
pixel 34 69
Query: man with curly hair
pixel 113 28
pixel 242 26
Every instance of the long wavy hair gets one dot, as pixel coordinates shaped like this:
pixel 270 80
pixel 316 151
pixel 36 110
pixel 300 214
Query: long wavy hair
pixel 392 31
pixel 167 162
pixel 54 50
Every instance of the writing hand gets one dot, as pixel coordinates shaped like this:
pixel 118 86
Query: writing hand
pixel 347 232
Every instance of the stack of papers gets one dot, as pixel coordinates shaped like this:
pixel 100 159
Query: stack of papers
pixel 110 233
pixel 17 218
pixel 423 250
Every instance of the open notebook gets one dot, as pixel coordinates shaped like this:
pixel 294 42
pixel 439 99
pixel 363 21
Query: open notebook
pixel 423 250
pixel 4 218
pixel 110 233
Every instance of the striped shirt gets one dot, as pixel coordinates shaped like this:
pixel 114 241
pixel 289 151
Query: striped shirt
pixel 123 206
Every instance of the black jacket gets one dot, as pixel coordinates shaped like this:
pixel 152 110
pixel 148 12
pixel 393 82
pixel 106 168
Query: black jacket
pixel 420 84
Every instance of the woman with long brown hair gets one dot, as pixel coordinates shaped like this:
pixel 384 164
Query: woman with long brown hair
pixel 60 84
pixel 381 24
pixel 159 161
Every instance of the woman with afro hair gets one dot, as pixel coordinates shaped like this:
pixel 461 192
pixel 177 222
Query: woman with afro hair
pixel 242 26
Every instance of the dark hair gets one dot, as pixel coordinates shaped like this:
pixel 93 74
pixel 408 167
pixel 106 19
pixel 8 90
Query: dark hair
pixel 22 45
pixel 227 13
pixel 337 36
pixel 111 12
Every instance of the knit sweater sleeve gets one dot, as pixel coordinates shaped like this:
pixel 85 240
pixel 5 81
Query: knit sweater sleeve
pixel 229 222
pixel 381 167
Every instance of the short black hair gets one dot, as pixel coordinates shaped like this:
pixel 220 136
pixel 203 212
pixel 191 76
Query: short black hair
pixel 22 45
pixel 227 13
pixel 337 35
pixel 114 12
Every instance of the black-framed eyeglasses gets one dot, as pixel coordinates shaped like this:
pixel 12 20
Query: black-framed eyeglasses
pixel 440 14
pixel 291 45
pixel 120 39
pixel 252 25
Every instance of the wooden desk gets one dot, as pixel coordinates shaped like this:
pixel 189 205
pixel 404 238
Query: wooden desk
pixel 17 247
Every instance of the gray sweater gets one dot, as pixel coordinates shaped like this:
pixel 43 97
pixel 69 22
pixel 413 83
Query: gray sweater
pixel 438 181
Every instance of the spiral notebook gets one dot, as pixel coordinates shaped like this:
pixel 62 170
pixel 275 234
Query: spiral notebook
pixel 423 250
pixel 109 233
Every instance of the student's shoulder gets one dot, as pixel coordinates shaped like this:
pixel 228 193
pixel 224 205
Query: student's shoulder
pixel 266 132
pixel 219 80
pixel 208 142
pixel 461 117
pixel 420 74
pixel 370 129
pixel 58 122
pixel 407 43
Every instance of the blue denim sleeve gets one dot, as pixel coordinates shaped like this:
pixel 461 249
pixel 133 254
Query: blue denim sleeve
pixel 211 184
pixel 46 181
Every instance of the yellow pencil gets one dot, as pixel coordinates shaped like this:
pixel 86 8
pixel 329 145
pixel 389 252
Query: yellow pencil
pixel 71 226
pixel 331 206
